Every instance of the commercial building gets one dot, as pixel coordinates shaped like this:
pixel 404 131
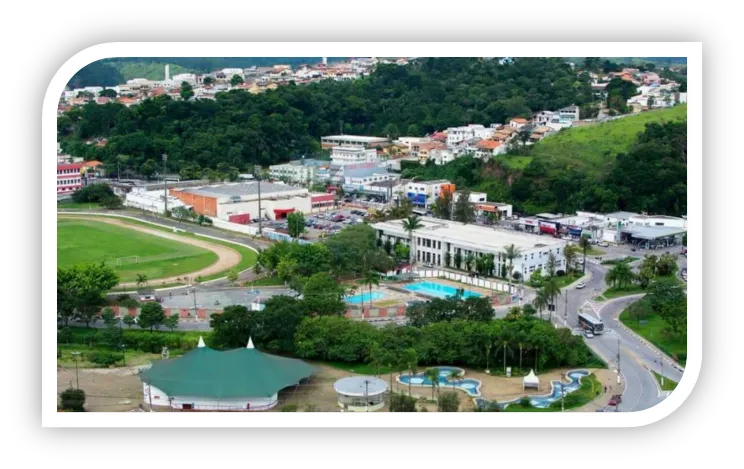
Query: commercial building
pixel 299 171
pixel 239 201
pixel 657 220
pixel 73 176
pixel 475 197
pixel 351 141
pixel 436 238
pixel 353 155
pixel 151 201
pixel 425 193
pixel 237 380
pixel 503 210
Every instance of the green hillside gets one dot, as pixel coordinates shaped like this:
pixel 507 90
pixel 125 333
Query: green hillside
pixel 595 143
pixel 149 70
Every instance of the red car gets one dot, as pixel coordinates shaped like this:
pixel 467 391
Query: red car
pixel 615 400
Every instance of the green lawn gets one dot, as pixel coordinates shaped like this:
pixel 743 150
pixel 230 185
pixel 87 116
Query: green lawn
pixel 590 390
pixel 653 330
pixel 359 368
pixel 592 251
pixel 84 241
pixel 248 257
pixel 616 292
pixel 516 162
pixel 69 205
pixel 668 385
pixel 595 143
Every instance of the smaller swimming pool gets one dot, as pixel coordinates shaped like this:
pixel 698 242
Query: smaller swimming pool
pixel 445 380
pixel 364 297
pixel 438 290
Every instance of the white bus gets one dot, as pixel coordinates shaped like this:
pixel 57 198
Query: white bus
pixel 591 323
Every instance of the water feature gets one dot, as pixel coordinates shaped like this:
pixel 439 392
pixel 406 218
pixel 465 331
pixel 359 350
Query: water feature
pixel 544 401
pixel 438 290
pixel 469 385
pixel 364 297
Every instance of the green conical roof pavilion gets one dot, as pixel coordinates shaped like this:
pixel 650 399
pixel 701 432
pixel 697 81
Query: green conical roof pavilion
pixel 244 372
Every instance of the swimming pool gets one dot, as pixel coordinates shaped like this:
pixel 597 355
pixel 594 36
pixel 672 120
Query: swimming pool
pixel 364 297
pixel 544 401
pixel 438 290
pixel 469 385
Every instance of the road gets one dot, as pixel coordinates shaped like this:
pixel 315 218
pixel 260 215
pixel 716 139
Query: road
pixel 636 358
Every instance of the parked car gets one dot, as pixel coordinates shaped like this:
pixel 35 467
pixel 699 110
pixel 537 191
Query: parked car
pixel 580 285
pixel 604 244
pixel 589 334
pixel 615 400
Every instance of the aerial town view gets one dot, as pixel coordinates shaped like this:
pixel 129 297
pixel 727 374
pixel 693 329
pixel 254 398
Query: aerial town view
pixel 372 234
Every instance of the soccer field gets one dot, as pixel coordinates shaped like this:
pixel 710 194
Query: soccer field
pixel 84 241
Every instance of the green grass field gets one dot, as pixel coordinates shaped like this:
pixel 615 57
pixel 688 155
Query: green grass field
pixel 83 241
pixel 596 143
pixel 668 385
pixel 653 330
pixel 70 205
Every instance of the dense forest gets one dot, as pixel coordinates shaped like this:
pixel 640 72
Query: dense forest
pixel 242 129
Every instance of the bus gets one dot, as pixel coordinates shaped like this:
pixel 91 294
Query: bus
pixel 590 323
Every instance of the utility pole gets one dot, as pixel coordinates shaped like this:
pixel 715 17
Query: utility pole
pixel 661 362
pixel 366 394
pixel 563 393
pixel 257 170
pixel 77 380
pixel 618 360
pixel 565 311
pixel 165 183
pixel 149 394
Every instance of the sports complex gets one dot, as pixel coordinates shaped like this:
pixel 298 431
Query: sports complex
pixel 134 248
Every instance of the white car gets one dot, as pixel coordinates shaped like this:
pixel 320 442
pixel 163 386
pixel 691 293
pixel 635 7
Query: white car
pixel 588 334
pixel 603 245
pixel 580 285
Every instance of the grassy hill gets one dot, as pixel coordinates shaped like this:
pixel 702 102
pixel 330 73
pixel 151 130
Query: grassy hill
pixel 595 143
pixel 149 70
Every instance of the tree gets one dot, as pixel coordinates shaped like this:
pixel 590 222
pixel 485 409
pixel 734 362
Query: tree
pixel 232 276
pixel 236 80
pixel 402 403
pixel 73 399
pixel 569 254
pixel 411 359
pixel 323 295
pixel 109 319
pixel 371 278
pixel 620 275
pixel 447 259
pixel 551 265
pixel 551 290
pixel 645 276
pixel 388 246
pixel 448 402
pixel 187 91
pixel 107 93
pixel 464 211
pixel 129 321
pixel 411 224
pixel 433 375
pixel 666 265
pixel 171 322
pixel 208 81
pixel 141 280
pixel 443 206
pixel 295 223
pixel 151 315
pixel 458 259
pixel 511 252
pixel 541 302
pixel 233 327
pixel 81 291
pixel 376 356
pixel 584 245
pixel 402 252
pixel 111 203
pixel 453 377
pixel 469 259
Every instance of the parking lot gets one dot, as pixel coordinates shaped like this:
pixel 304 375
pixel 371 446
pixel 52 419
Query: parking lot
pixel 320 225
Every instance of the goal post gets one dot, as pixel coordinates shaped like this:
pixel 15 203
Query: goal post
pixel 121 261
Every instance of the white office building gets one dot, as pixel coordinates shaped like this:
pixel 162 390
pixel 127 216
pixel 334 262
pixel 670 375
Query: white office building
pixel 437 237
pixel 353 155
pixel 351 141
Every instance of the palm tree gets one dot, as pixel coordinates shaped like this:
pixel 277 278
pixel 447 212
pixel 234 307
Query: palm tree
pixel 569 253
pixel 551 290
pixel 458 259
pixel 584 244
pixel 433 376
pixel 411 360
pixel 376 355
pixel 141 280
pixel 511 252
pixel 371 278
pixel 488 356
pixel 447 259
pixel 411 224
pixel 620 275
pixel 520 356
pixel 469 259
pixel 453 377
pixel 540 302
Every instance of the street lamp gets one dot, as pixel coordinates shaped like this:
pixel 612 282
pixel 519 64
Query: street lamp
pixel 193 292
pixel 165 183
pixel 77 379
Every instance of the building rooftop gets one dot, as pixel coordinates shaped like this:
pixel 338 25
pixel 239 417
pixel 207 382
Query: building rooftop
pixel 240 189
pixel 429 183
pixel 483 237
pixel 622 214
pixel 360 386
pixel 652 232
pixel 361 138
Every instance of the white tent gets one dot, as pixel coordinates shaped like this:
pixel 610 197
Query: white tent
pixel 531 381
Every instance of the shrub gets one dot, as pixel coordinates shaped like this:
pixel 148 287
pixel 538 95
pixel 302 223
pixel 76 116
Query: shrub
pixel 448 402
pixel 104 357
pixel 64 335
pixel 402 403
pixel 129 303
pixel 525 402
pixel 560 273
pixel 289 408
pixel 73 399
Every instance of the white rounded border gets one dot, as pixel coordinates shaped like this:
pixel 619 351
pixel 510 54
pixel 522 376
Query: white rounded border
pixel 691 50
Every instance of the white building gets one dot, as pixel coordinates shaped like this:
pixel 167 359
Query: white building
pixel 189 78
pixel 361 393
pixel 294 171
pixel 351 141
pixel 475 197
pixel 657 220
pixel 568 114
pixel 353 155
pixel 469 132
pixel 229 72
pixel 151 201
pixel 441 156
pixel 542 118
pixel 425 193
pixel 438 237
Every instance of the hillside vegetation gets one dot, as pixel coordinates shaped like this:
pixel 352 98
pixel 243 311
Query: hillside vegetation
pixel 596 144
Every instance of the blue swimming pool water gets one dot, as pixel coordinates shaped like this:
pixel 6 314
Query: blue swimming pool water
pixel 542 402
pixel 469 385
pixel 364 297
pixel 438 290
